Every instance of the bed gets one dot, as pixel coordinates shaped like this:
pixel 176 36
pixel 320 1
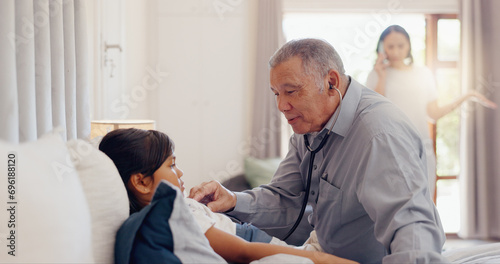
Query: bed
pixel 69 202
pixel 486 253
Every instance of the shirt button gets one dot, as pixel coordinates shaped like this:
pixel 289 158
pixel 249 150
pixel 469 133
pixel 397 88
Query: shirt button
pixel 315 167
pixel 313 193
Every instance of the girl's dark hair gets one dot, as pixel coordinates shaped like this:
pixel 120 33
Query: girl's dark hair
pixel 136 151
pixel 399 29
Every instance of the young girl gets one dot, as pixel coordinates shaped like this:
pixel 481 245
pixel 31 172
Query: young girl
pixel 411 87
pixel 145 157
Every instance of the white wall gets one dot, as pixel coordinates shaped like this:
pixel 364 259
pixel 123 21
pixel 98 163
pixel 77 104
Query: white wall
pixel 372 6
pixel 136 46
pixel 189 65
pixel 203 54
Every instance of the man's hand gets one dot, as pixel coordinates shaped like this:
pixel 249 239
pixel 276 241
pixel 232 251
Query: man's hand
pixel 214 195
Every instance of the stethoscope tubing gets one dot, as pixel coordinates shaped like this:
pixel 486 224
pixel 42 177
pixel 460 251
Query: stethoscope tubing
pixel 311 163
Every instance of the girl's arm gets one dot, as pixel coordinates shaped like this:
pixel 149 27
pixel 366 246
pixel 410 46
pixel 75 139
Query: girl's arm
pixel 235 249
pixel 435 111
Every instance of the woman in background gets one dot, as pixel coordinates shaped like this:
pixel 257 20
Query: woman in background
pixel 412 88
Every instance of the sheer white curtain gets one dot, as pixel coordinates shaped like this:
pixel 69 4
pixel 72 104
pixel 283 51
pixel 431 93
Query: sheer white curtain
pixel 44 76
pixel 480 143
pixel 266 125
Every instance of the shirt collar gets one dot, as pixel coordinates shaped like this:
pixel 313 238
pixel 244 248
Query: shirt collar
pixel 347 111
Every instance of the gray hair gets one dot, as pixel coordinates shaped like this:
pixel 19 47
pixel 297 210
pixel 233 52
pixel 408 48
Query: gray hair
pixel 318 58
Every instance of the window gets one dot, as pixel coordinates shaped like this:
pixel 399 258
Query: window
pixel 443 52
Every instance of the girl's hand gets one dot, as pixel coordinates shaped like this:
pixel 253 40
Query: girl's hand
pixel 477 97
pixel 380 67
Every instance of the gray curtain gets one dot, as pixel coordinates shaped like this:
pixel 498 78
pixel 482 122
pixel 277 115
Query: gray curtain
pixel 266 121
pixel 44 70
pixel 480 142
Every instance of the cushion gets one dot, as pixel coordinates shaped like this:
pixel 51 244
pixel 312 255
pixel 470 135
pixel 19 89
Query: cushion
pixel 163 232
pixel 260 171
pixel 105 194
pixel 48 213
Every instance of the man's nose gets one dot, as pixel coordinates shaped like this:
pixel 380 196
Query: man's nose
pixel 283 104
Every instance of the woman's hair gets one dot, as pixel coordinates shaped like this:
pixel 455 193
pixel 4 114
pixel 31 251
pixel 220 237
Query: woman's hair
pixel 399 29
pixel 136 151
pixel 318 58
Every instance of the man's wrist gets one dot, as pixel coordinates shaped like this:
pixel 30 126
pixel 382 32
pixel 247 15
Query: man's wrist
pixel 234 200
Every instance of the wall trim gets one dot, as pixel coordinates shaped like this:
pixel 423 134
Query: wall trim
pixel 370 6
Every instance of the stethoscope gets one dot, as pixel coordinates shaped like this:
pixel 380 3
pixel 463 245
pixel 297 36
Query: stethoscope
pixel 311 162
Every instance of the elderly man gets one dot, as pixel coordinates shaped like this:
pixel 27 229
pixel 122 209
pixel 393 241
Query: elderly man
pixel 364 172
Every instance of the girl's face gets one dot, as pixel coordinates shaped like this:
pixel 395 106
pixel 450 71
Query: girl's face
pixel 396 46
pixel 170 172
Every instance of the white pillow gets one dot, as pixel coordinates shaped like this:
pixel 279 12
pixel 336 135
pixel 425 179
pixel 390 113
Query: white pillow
pixel 51 219
pixel 106 196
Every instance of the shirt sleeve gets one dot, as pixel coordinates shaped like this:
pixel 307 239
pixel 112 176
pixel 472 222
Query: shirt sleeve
pixel 394 194
pixel 201 217
pixel 281 198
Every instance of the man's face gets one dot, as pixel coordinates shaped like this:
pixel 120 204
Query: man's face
pixel 304 105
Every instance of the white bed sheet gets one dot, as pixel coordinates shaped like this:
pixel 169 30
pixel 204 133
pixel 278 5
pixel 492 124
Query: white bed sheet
pixel 486 253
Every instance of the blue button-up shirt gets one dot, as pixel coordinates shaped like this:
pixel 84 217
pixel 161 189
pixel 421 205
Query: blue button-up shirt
pixel 368 191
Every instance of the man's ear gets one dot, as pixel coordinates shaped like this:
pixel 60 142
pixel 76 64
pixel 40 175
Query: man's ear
pixel 333 80
pixel 140 183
